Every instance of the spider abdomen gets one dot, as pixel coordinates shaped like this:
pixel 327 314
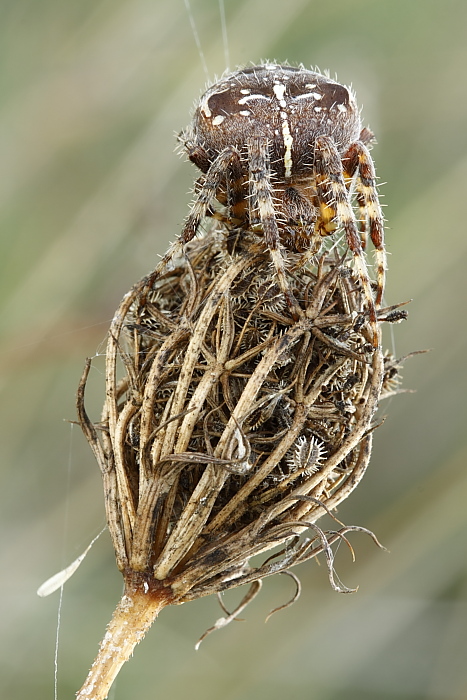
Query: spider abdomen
pixel 285 106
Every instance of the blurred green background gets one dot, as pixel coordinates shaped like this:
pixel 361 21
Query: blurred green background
pixel 91 93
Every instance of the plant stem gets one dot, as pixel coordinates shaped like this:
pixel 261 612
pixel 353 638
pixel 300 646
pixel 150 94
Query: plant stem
pixel 132 618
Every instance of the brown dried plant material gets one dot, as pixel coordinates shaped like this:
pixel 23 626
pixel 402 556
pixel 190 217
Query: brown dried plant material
pixel 229 428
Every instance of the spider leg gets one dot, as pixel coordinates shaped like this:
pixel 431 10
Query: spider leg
pixel 260 183
pixel 336 209
pixel 350 168
pixel 358 158
pixel 366 190
pixel 209 186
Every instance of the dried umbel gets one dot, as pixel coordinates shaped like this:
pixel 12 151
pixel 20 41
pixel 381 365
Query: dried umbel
pixel 233 429
pixel 243 375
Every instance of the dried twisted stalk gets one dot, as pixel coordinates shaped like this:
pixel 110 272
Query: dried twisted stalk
pixel 233 429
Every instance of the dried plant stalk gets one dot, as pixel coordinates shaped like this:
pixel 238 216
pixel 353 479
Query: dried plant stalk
pixel 229 428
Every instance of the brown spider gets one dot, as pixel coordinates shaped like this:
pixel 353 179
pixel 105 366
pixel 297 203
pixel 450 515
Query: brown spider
pixel 283 150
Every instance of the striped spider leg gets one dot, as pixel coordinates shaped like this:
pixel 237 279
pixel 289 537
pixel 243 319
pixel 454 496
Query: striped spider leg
pixel 336 211
pixel 261 193
pixel 358 161
pixel 208 190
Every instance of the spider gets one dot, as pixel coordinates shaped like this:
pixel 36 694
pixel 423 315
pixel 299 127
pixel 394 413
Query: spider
pixel 283 150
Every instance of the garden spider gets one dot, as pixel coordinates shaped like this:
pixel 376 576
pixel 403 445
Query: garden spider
pixel 283 150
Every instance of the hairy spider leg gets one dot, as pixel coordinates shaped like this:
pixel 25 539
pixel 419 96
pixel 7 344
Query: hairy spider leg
pixel 366 187
pixel 208 191
pixel 359 160
pixel 350 163
pixel 350 168
pixel 336 210
pixel 260 182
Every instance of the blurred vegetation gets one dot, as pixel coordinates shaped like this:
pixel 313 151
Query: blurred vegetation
pixel 91 192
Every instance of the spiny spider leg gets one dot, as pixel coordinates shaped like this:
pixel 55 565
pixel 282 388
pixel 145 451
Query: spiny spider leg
pixel 260 181
pixel 209 190
pixel 350 167
pixel 366 189
pixel 358 159
pixel 336 210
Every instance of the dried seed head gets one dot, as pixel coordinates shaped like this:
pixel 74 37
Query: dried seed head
pixel 234 427
pixel 229 427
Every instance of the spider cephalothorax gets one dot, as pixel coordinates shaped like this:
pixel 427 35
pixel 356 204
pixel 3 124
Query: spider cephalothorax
pixel 283 150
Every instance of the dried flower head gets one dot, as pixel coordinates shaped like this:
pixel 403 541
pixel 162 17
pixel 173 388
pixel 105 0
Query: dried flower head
pixel 229 428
